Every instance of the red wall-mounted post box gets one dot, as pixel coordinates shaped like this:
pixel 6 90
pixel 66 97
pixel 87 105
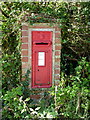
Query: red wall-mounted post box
pixel 41 59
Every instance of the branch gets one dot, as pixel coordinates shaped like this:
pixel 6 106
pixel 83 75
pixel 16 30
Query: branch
pixel 72 50
pixel 7 5
pixel 71 58
pixel 78 103
pixel 4 13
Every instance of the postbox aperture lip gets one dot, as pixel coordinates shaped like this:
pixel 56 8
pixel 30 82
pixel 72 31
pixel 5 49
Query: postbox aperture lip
pixel 41 43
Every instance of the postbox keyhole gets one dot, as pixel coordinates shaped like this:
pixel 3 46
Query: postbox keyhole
pixel 38 69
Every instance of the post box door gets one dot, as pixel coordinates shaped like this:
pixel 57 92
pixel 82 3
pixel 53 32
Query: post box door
pixel 42 65
pixel 42 68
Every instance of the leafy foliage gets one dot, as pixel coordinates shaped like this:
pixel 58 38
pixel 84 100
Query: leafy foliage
pixel 72 97
pixel 73 94
pixel 14 106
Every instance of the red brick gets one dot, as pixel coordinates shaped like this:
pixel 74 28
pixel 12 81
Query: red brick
pixel 57 28
pixel 57 77
pixel 57 41
pixel 24 33
pixel 57 53
pixel 24 39
pixel 57 35
pixel 35 96
pixel 24 65
pixel 57 59
pixel 23 79
pixel 24 59
pixel 24 46
pixel 24 27
pixel 23 71
pixel 41 26
pixel 57 47
pixel 57 66
pixel 24 52
pixel 38 91
pixel 57 82
pixel 57 71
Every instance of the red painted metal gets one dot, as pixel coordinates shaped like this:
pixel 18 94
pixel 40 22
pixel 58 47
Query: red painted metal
pixel 42 36
pixel 41 59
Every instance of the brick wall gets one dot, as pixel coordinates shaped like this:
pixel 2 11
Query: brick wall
pixel 26 48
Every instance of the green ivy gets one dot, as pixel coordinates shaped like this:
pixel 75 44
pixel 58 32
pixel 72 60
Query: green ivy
pixel 72 97
pixel 14 107
pixel 72 94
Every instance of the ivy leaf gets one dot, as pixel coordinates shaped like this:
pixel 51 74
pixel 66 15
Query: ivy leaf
pixel 31 109
pixel 37 108
pixel 27 99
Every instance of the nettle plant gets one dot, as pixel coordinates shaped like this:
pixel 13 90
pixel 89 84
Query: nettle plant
pixel 72 95
pixel 14 107
pixel 17 107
